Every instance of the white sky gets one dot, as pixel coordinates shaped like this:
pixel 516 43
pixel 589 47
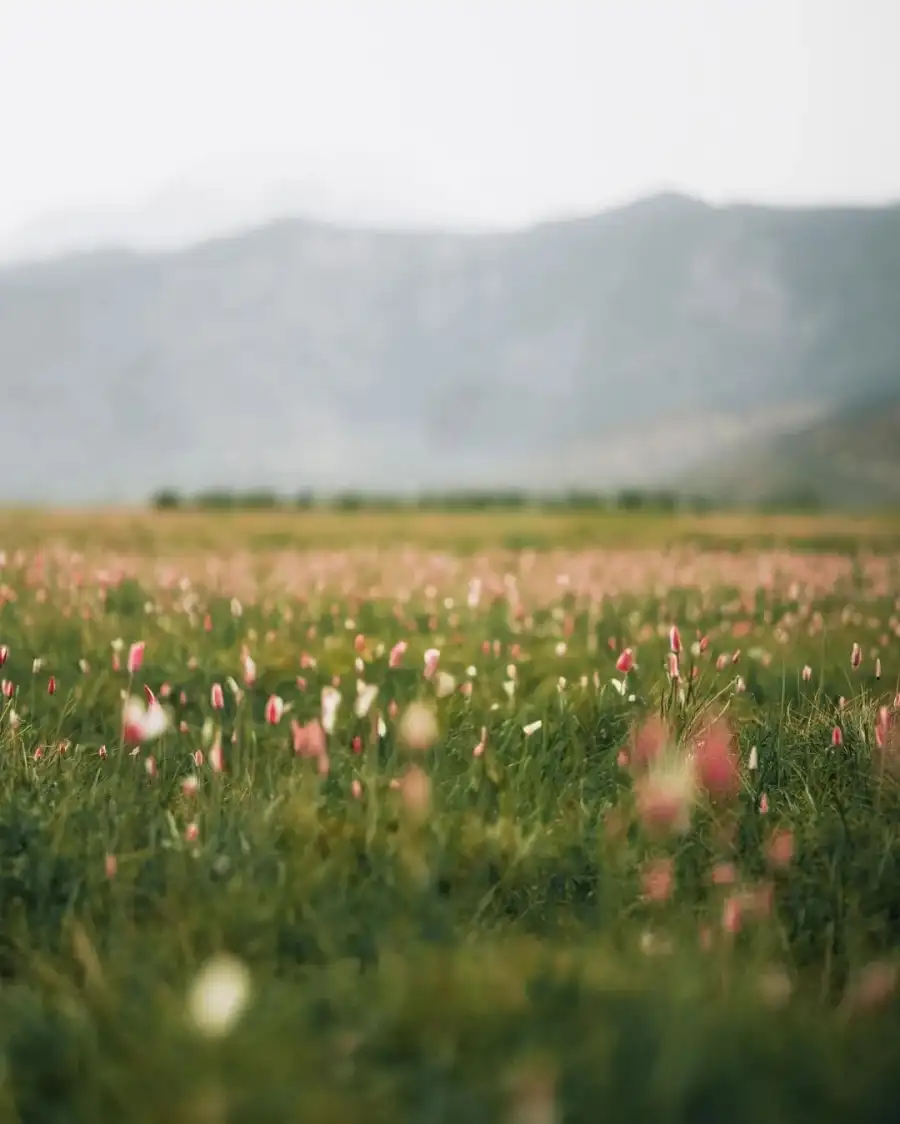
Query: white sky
pixel 473 111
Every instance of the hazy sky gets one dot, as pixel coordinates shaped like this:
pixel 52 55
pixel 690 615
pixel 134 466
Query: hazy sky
pixel 476 111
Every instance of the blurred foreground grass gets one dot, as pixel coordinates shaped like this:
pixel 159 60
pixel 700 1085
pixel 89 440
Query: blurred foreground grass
pixel 503 937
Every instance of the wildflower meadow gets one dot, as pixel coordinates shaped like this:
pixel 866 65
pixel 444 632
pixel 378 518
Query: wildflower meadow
pixel 385 826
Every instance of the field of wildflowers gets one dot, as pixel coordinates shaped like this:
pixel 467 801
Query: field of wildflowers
pixel 422 831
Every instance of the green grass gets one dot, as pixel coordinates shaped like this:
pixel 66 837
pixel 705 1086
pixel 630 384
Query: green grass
pixel 495 956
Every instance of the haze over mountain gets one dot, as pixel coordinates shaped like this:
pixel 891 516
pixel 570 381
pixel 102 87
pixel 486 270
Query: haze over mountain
pixel 635 346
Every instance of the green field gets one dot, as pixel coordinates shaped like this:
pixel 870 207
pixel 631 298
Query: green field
pixel 583 895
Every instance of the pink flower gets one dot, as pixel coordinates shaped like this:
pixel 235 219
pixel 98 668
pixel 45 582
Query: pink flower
pixel 625 662
pixel 855 656
pixel 674 640
pixel 658 880
pixel 217 697
pixel 806 673
pixel 672 666
pixel 308 740
pixel 723 874
pixel 733 914
pixel 716 760
pixel 665 796
pixel 142 723
pixel 135 657
pixel 248 669
pixel 781 847
pixel 274 709
pixel 432 657
pixel 837 737
pixel 649 742
pixel 4 654
pixel 397 653
pixel 51 685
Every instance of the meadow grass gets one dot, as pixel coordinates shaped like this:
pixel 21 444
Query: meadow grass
pixel 513 882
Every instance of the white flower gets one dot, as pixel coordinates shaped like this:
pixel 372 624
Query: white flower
pixel 418 727
pixel 445 684
pixel 366 694
pixel 532 728
pixel 331 700
pixel 218 995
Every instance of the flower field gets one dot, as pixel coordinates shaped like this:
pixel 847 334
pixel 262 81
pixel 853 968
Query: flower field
pixel 536 824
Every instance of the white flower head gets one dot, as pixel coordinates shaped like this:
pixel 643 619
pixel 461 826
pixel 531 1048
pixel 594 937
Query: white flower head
pixel 218 995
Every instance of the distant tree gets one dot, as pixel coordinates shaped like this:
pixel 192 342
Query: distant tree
pixel 166 499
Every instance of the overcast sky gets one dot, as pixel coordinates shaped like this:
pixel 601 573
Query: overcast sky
pixel 466 111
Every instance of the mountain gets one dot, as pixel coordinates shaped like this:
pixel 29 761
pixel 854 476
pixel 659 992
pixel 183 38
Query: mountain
pixel 628 347
pixel 849 459
pixel 224 196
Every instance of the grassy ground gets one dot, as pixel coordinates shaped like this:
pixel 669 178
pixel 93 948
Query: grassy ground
pixel 248 919
pixel 465 532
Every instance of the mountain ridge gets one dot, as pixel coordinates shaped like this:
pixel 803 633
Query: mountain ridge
pixel 623 348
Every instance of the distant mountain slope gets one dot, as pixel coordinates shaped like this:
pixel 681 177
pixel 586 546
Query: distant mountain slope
pixel 617 349
pixel 850 459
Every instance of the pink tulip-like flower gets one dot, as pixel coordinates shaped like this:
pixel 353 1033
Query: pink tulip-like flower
pixel 724 874
pixel 142 723
pixel 658 880
pixel 216 758
pixel 309 740
pixel 217 697
pixel 51 685
pixel 665 795
pixel 191 833
pixel 274 709
pixel 781 847
pixel 432 657
pixel 806 674
pixel 722 661
pixel 672 667
pixel 674 640
pixel 625 662
pixel 733 914
pixel 397 653
pixel 837 736
pixel 135 657
pixel 855 656
pixel 648 742
pixel 359 644
pixel 716 761
pixel 4 654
